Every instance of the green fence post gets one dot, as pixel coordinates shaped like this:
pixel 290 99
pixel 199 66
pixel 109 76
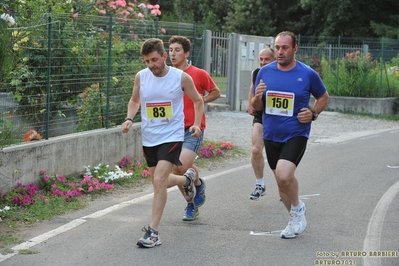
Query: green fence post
pixel 48 91
pixel 109 69
pixel 299 41
pixel 156 27
pixel 192 54
pixel 338 63
pixel 381 64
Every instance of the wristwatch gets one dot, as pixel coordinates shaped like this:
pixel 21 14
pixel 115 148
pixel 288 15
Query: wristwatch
pixel 314 115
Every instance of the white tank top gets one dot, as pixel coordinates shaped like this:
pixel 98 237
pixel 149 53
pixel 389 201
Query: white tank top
pixel 162 117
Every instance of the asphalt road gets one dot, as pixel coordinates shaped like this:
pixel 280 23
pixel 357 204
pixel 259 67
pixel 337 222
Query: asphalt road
pixel 349 187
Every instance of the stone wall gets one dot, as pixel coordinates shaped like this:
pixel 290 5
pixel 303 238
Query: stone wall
pixel 66 154
pixel 358 105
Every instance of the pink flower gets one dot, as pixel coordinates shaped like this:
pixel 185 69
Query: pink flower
pixel 122 20
pixel 121 3
pixel 75 15
pixel 43 172
pixel 102 11
pixel 86 179
pixel 156 12
pixel 124 13
pixel 163 30
pixel 145 173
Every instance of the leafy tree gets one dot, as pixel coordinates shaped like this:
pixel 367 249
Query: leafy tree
pixel 389 31
pixel 248 18
pixel 215 13
pixel 347 17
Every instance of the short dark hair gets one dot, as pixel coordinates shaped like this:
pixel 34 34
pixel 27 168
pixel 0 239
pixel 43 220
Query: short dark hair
pixel 185 42
pixel 152 45
pixel 291 34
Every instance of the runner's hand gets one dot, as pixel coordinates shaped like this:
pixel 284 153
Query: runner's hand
pixel 305 115
pixel 196 131
pixel 260 89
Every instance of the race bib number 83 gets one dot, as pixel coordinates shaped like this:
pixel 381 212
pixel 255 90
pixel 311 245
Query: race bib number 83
pixel 280 103
pixel 159 112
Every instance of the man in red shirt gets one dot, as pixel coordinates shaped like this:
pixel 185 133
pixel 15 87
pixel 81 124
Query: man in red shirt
pixel 179 51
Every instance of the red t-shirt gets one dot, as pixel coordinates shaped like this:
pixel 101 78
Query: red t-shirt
pixel 203 82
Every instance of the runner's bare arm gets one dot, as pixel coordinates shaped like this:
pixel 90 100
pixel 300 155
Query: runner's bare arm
pixel 133 105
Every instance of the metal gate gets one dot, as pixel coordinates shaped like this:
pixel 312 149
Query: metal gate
pixel 216 60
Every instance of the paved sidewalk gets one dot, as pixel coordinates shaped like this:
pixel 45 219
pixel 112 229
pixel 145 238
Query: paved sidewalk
pixel 330 127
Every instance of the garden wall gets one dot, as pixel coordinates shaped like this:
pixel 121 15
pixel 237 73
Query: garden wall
pixel 66 154
pixel 358 105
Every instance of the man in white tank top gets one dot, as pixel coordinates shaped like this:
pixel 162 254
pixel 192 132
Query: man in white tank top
pixel 159 90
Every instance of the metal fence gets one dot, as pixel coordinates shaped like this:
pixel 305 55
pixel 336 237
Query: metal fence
pixel 359 67
pixel 72 75
pixel 336 47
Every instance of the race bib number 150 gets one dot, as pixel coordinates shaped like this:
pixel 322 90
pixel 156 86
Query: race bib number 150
pixel 280 103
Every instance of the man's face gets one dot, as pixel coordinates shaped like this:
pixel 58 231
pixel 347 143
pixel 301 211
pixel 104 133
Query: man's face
pixel 265 57
pixel 155 62
pixel 285 52
pixel 177 55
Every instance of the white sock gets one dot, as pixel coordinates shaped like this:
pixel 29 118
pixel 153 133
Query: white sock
pixel 296 208
pixel 260 182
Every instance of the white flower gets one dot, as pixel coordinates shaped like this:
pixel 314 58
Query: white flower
pixel 110 174
pixel 7 18
pixel 6 208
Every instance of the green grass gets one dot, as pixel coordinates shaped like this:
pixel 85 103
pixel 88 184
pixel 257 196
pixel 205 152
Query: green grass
pixel 221 82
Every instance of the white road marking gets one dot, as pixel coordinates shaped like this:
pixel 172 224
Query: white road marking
pixel 267 233
pixel 308 196
pixel 393 166
pixel 252 233
pixel 373 237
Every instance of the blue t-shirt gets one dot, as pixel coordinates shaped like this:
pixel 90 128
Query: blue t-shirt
pixel 287 93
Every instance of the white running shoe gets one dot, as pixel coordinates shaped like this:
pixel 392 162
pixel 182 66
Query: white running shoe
pixel 298 219
pixel 150 238
pixel 287 232
pixel 258 192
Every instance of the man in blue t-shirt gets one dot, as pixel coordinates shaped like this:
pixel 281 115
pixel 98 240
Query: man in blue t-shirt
pixel 283 90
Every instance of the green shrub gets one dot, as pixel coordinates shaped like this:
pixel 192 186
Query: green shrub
pixel 358 75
